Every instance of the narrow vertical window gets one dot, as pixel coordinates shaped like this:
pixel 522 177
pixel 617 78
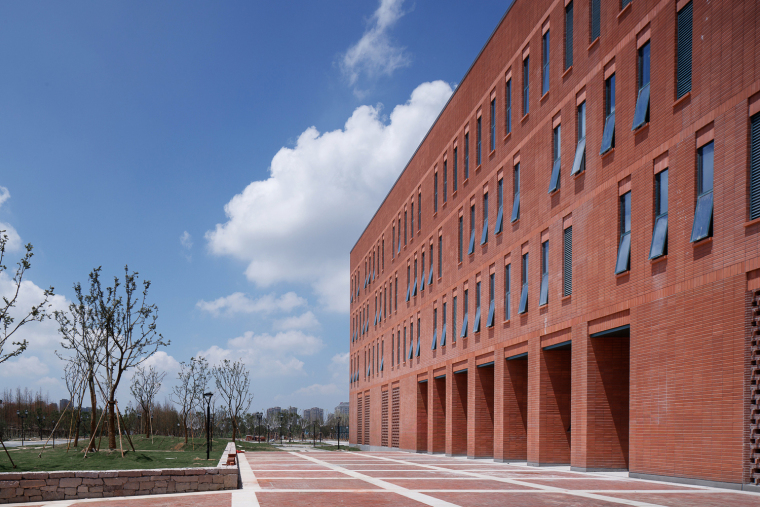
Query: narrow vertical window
pixel 476 322
pixel 555 180
pixel 491 299
pixel 508 103
pixel 545 82
pixel 524 292
pixel 526 83
pixel 383 253
pixel 484 234
pixel 398 346
pixel 408 282
pixel 404 345
pixel 440 256
pixel 479 152
pixel 435 192
pixel 454 174
pixel 660 232
pixel 641 113
pixel 434 344
pixel 461 236
pixel 683 50
pixel 569 35
pixel 393 242
pixel 445 179
pixel 385 303
pixel 703 213
pixel 608 137
pixel 419 337
pixel 430 277
pixel 398 248
pixel 507 291
pixel 754 174
pixel 422 271
pixel 382 354
pixel 443 325
pixel 543 297
pixel 454 319
pixel 493 124
pixel 466 155
pixel 516 194
pixel 463 334
pixel 596 19
pixel 395 297
pixel 414 287
pixel 623 263
pixel 471 250
pixel 579 162
pixel 419 211
pixel 393 358
pixel 567 261
pixel 500 214
pixel 412 219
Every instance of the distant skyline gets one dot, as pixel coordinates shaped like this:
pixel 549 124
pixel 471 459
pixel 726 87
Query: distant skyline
pixel 230 153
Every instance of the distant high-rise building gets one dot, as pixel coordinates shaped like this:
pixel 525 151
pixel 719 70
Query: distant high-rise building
pixel 314 414
pixel 342 409
pixel 62 404
pixel 273 412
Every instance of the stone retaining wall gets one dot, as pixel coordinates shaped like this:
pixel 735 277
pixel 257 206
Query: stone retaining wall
pixel 45 486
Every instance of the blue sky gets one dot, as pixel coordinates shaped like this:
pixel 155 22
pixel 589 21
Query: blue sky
pixel 227 151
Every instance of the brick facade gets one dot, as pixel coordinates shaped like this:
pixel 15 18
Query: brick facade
pixel 651 370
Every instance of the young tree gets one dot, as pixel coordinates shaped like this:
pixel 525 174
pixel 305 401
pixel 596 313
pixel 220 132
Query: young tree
pixel 233 385
pixel 73 375
pixel 188 392
pixel 145 386
pixel 8 324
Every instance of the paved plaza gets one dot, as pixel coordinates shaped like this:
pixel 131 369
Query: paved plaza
pixel 398 479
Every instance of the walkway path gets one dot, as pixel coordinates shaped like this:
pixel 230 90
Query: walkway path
pixel 397 479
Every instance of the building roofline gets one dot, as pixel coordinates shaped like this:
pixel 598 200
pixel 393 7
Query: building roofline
pixel 435 122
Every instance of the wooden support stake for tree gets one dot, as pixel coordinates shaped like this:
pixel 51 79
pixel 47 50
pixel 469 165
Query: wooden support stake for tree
pixel 126 430
pixel 118 425
pixel 6 452
pixel 56 425
pixel 92 438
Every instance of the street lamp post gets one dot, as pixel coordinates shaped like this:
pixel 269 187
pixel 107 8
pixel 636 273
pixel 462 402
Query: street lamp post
pixel 22 416
pixel 208 419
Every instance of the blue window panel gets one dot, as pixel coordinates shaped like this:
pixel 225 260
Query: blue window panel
pixel 476 324
pixel 414 288
pixel 484 237
pixel 408 289
pixel 499 221
pixel 491 311
pixel 554 183
pixel 382 362
pixel 703 217
pixel 516 208
pixel 642 108
pixel 434 345
pixel 443 336
pixel 430 278
pixel 608 138
pixel 472 242
pixel 418 345
pixel 579 163
pixel 464 327
pixel 523 299
pixel 623 263
pixel 411 350
pixel 659 237
pixel 543 297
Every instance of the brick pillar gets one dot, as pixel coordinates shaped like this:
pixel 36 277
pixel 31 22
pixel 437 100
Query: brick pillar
pixel 422 417
pixel 515 403
pixel 483 415
pixel 438 409
pixel 498 404
pixel 471 435
pixel 459 414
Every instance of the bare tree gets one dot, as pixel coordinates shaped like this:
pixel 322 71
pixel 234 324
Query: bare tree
pixel 8 324
pixel 188 392
pixel 81 339
pixel 73 375
pixel 145 386
pixel 233 384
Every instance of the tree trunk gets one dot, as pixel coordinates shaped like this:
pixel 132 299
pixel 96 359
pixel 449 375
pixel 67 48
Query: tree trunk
pixel 234 428
pixel 184 423
pixel 111 424
pixel 94 403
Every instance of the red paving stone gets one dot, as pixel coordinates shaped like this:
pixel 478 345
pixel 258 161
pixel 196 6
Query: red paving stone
pixel 693 499
pixel 360 499
pixel 321 474
pixel 417 484
pixel 520 500
pixel 315 484
pixel 195 500
pixel 594 484
pixel 416 473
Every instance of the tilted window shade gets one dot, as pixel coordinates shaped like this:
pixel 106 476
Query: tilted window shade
pixel 544 294
pixel 430 278
pixel 596 6
pixel 641 115
pixel 523 299
pixel 435 339
pixel 466 316
pixel 491 310
pixel 554 182
pixel 443 335
pixel 516 194
pixel 454 319
pixel 476 323
pixel 659 237
pixel 414 288
pixel 419 337
pixel 754 178
pixel 608 137
pixel 500 215
pixel 408 289
pixel 507 290
pixel 472 236
pixel 516 207
pixel 411 348
pixel 569 36
pixel 484 236
pixel 382 362
pixel 422 273
pixel 579 163
pixel 703 212
pixel 567 262
pixel 684 50
pixel 623 263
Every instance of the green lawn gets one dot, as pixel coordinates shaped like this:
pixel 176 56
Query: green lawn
pixel 343 447
pixel 160 452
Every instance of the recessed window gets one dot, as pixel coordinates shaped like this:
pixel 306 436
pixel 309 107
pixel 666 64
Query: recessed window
pixel 398 250
pixel 596 18
pixel 430 277
pixel 703 213
pixel 443 325
pixel 623 263
pixel 493 124
pixel 435 329
pixel 412 218
pixel 543 297
pixel 405 231
pixel 579 162
pixel 435 192
pixel 479 152
pixel 567 261
pixel 568 35
pixel 461 237
pixel 754 178
pixel 500 215
pixel 419 211
pixel 422 271
pixel 395 297
pixel 471 250
pixel 659 245
pixel 608 137
pixel 491 299
pixel 545 82
pixel 524 292
pixel 508 104
pixel 414 288
pixel 526 83
pixel 684 50
pixel 419 333
pixel 455 172
pixel 440 256
pixel 445 179
pixel 641 113
pixel 454 319
pixel 554 182
pixel 507 291
pixel 484 234
pixel 464 319
pixel 408 282
pixel 466 155
pixel 476 322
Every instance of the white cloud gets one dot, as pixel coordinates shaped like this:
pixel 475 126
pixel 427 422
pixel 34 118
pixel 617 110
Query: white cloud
pixel 241 303
pixel 300 224
pixel 317 390
pixel 339 366
pixel 375 54
pixel 303 321
pixel 266 355
pixel 14 240
pixel 186 240
pixel 24 367
pixel 162 362
pixel 48 382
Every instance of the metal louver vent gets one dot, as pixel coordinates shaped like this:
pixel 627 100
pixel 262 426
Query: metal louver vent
pixel 567 262
pixel 595 18
pixel 754 179
pixel 683 50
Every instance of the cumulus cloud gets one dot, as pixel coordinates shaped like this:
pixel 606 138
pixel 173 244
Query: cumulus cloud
pixel 186 240
pixel 339 366
pixel 375 54
pixel 303 321
pixel 300 224
pixel 266 355
pixel 317 390
pixel 24 367
pixel 241 303
pixel 14 240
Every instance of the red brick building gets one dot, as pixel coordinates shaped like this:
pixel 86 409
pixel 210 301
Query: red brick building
pixel 568 269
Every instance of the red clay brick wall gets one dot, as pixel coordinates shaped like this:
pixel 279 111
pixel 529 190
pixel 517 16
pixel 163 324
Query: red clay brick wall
pixel 459 414
pixel 484 412
pixel 439 415
pixel 515 439
pixel 422 416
